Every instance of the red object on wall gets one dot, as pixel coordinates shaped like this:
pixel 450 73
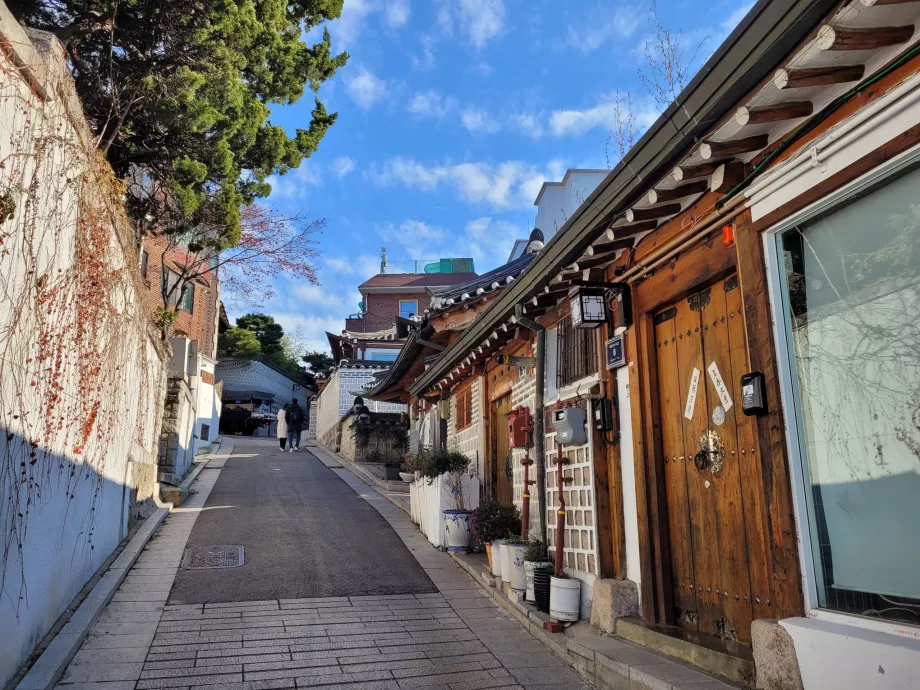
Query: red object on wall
pixel 728 235
pixel 520 426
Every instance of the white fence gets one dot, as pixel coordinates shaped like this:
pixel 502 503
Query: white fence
pixel 428 500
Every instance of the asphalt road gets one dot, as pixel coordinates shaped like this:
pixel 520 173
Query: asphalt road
pixel 305 534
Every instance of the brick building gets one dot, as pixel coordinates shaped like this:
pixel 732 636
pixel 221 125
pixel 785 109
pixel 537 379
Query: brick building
pixel 192 409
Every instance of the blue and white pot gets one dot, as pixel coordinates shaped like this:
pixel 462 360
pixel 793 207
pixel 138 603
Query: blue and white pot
pixel 516 561
pixel 457 529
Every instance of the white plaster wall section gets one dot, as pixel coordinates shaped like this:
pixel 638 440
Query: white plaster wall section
pixel 628 477
pixel 80 518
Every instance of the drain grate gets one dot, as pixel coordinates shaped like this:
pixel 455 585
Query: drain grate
pixel 204 557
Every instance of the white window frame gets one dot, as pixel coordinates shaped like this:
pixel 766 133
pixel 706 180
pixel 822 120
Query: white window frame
pixel 773 261
pixel 414 311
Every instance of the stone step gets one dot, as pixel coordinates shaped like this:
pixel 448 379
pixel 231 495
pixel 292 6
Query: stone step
pixel 731 660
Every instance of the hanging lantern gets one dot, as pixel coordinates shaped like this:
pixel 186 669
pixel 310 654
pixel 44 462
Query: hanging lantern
pixel 589 307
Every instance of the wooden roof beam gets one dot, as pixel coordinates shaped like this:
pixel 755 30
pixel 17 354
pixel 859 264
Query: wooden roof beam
pixel 607 247
pixel 758 115
pixel 690 172
pixel 657 196
pixel 726 176
pixel 817 76
pixel 624 231
pixel 634 214
pixel 724 149
pixel 843 38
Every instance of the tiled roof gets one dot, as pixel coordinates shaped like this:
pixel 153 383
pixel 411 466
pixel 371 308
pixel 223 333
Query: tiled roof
pixel 446 297
pixel 416 279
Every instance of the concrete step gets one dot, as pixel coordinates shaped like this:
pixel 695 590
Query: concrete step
pixel 725 658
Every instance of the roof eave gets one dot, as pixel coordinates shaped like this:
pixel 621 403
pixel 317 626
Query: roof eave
pixel 769 31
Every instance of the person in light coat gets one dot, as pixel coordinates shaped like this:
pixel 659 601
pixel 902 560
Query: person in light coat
pixel 282 431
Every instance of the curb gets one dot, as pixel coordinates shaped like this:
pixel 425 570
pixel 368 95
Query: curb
pixel 361 473
pixel 50 666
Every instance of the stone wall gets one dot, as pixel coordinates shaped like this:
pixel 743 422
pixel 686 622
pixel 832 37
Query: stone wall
pixel 469 441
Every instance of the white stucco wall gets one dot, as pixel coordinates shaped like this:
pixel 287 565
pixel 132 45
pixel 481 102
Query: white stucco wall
pixel 78 427
pixel 560 199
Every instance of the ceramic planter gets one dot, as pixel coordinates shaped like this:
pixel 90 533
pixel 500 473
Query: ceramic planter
pixel 489 556
pixel 506 563
pixel 564 598
pixel 408 477
pixel 496 561
pixel 516 561
pixel 457 529
pixel 529 567
pixel 541 587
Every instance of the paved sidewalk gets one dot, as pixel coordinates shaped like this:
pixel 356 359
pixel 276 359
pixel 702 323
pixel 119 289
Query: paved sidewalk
pixel 454 639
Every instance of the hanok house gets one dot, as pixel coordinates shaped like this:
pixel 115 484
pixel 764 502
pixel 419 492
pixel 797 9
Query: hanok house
pixel 757 255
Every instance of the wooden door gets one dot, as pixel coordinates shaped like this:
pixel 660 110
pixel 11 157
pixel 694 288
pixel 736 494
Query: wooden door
pixel 707 463
pixel 501 451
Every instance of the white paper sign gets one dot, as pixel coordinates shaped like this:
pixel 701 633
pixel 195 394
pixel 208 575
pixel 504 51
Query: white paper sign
pixel 720 387
pixel 691 394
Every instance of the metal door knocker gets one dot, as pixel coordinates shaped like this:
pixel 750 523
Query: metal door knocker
pixel 710 453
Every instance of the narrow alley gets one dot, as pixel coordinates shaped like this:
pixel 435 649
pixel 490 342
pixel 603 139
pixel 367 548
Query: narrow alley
pixel 337 589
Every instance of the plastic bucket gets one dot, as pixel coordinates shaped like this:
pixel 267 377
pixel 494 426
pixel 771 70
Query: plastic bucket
pixel 541 587
pixel 497 558
pixel 529 567
pixel 516 560
pixel 564 598
pixel 457 529
pixel 506 562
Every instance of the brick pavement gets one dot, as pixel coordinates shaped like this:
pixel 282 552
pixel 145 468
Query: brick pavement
pixel 455 639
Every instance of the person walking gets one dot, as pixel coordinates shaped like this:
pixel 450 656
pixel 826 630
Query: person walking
pixel 281 433
pixel 293 417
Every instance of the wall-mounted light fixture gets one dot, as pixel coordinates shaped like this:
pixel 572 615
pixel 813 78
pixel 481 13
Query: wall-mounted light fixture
pixel 588 306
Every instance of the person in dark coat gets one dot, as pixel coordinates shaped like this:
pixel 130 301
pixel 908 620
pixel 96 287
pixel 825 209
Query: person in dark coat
pixel 294 417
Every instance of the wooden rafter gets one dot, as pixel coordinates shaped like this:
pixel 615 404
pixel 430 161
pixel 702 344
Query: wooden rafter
pixel 607 247
pixel 657 196
pixel 624 231
pixel 758 115
pixel 723 149
pixel 843 38
pixel 634 214
pixel 690 172
pixel 726 176
pixel 817 76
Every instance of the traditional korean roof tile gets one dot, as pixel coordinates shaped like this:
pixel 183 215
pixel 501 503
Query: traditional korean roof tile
pixel 415 280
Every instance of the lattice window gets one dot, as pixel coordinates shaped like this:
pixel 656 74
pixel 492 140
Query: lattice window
pixel 464 408
pixel 576 352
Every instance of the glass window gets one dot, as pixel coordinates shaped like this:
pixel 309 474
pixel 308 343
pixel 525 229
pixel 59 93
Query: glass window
pixel 381 354
pixel 188 298
pixel 576 353
pixel 408 307
pixel 851 301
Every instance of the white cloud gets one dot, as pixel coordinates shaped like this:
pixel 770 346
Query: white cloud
pixel 603 115
pixel 430 104
pixel 365 265
pixel 314 328
pixel 413 234
pixel 365 88
pixel 478 121
pixel 480 20
pixel 397 13
pixel 732 20
pixel 348 27
pixel 603 26
pixel 342 165
pixel 294 184
pixel 426 61
pixel 489 241
pixel 529 123
pixel 483 19
pixel 511 184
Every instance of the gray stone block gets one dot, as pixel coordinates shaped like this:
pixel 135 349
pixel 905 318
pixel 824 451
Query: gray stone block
pixel 774 657
pixel 612 599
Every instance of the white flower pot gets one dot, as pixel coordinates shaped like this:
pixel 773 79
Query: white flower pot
pixel 407 477
pixel 497 557
pixel 457 529
pixel 516 561
pixel 506 563
pixel 528 578
pixel 564 598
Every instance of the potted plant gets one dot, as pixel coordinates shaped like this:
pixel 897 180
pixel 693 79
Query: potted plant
pixel 493 520
pixel 515 547
pixel 452 467
pixel 534 557
pixel 564 597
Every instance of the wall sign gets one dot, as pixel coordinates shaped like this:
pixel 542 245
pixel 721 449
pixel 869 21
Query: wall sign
pixel 691 393
pixel 616 352
pixel 721 388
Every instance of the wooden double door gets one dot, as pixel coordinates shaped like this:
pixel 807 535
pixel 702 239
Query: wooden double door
pixel 709 466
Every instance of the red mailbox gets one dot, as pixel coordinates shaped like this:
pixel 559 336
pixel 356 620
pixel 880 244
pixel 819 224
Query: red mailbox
pixel 520 426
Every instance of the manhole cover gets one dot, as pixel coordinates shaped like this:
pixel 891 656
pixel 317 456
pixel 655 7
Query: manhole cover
pixel 202 557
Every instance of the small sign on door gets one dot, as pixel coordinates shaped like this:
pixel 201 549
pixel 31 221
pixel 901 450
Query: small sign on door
pixel 691 394
pixel 719 385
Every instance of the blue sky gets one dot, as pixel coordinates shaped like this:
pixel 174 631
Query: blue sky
pixel 452 113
